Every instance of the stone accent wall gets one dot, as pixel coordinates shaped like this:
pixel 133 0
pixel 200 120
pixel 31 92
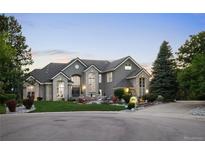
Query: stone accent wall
pixel 49 92
pixel 93 70
pixel 147 77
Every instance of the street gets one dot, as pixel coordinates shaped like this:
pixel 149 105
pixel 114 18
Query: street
pixel 171 121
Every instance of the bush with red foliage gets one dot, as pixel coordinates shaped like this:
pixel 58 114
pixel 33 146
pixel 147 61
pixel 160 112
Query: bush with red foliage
pixel 11 104
pixel 81 100
pixel 28 103
pixel 114 99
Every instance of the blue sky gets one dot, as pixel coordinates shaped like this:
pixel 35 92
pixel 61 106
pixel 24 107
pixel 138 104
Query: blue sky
pixel 61 37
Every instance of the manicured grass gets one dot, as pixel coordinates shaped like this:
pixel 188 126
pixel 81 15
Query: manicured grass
pixel 51 106
pixel 2 109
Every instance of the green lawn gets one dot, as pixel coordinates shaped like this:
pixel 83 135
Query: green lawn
pixel 51 106
pixel 2 109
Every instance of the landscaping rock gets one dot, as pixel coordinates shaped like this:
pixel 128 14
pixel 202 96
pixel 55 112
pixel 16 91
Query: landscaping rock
pixel 199 111
pixel 21 109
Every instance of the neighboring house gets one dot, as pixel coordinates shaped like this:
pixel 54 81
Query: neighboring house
pixel 82 77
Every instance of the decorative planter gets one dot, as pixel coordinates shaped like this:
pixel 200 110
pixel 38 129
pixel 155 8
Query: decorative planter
pixel 28 103
pixel 11 104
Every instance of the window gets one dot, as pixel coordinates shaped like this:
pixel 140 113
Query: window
pixel 128 67
pixel 60 89
pixel 109 77
pixel 142 86
pixel 100 92
pixel 91 82
pixel 100 78
pixel 76 80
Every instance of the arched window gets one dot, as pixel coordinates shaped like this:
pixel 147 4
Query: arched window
pixel 60 89
pixel 91 82
pixel 76 80
pixel 142 86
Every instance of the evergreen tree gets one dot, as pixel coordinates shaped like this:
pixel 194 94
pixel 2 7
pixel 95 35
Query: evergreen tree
pixel 23 57
pixel 164 74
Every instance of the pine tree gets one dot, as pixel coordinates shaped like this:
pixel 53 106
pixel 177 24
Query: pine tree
pixel 164 75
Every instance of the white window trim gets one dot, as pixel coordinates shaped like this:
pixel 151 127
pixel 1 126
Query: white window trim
pixel 58 89
pixel 109 77
pixel 128 67
pixel 100 78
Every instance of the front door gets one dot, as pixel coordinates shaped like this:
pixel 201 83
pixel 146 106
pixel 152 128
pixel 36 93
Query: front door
pixel 75 91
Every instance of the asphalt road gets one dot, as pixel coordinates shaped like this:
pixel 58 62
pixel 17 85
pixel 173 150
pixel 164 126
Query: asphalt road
pixel 161 122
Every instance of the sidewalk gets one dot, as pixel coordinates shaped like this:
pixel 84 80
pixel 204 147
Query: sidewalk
pixel 21 109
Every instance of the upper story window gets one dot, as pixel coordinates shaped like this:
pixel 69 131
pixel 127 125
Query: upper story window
pixel 109 77
pixel 77 66
pixel 100 78
pixel 142 82
pixel 128 66
pixel 76 80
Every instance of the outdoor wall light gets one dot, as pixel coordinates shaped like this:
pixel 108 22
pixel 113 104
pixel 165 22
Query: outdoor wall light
pixel 126 90
pixel 84 87
pixel 30 88
pixel 146 91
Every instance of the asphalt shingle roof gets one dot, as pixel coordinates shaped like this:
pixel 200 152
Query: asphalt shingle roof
pixel 113 64
pixel 134 73
pixel 45 74
pixel 100 64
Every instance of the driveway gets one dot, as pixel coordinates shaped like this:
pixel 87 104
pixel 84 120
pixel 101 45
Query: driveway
pixel 171 121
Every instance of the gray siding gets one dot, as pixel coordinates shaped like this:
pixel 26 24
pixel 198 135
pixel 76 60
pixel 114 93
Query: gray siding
pixel 118 75
pixel 71 70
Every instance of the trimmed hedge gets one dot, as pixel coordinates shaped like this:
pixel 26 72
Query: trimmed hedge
pixel 149 97
pixel 6 97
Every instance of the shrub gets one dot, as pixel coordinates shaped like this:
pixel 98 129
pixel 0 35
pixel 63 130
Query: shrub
pixel 127 97
pixel 81 100
pixel 149 97
pixel 71 99
pixel 114 99
pixel 28 103
pixel 39 98
pixel 11 104
pixel 160 98
pixel 130 106
pixel 6 97
pixel 119 93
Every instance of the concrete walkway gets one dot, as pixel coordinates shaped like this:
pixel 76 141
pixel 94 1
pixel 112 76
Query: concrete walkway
pixel 171 121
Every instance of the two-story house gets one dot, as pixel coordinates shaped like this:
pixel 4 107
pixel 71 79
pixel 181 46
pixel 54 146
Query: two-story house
pixel 83 77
